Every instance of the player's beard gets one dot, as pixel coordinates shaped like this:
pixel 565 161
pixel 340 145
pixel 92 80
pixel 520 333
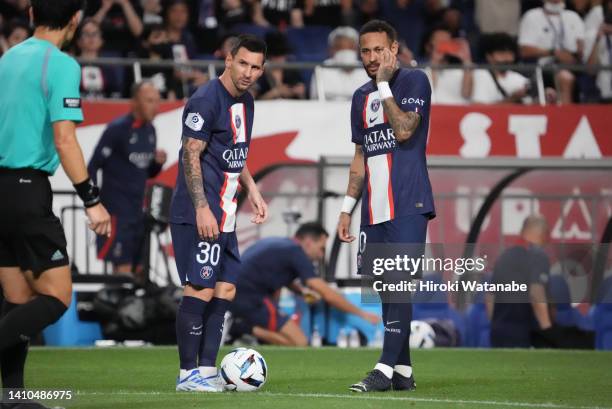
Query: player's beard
pixel 372 76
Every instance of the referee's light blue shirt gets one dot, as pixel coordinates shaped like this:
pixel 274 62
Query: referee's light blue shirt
pixel 40 86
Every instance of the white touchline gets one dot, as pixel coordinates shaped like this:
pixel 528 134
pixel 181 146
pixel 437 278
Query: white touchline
pixel 361 397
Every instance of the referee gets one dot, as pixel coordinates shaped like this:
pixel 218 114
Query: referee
pixel 39 109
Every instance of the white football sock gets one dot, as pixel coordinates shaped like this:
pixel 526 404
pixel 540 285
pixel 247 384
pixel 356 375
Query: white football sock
pixel 386 369
pixel 208 371
pixel 185 373
pixel 403 370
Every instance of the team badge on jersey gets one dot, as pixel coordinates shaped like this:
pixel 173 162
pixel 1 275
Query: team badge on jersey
pixel 206 272
pixel 194 121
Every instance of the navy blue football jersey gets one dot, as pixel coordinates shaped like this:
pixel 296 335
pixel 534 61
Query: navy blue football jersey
pixel 213 115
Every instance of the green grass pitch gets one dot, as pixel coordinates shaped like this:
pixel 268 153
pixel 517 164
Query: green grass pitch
pixel 125 378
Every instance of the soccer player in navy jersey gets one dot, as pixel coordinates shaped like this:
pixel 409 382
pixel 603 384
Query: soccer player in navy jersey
pixel 127 154
pixel 390 123
pixel 217 125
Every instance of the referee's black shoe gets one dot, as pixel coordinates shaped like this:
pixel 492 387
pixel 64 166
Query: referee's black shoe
pixel 401 383
pixel 376 381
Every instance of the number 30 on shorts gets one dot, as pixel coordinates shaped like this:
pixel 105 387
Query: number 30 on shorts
pixel 209 254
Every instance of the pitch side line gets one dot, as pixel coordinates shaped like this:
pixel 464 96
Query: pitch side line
pixel 360 397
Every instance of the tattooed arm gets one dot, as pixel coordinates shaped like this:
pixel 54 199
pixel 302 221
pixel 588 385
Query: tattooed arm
pixel 208 228
pixel 403 123
pixel 355 186
pixel 357 174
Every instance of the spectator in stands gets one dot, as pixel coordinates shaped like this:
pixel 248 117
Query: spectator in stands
pixel 155 47
pixel 405 56
pixel 127 156
pixel 498 85
pixel 331 13
pixel 177 20
pixel 500 16
pixel 119 21
pixel 276 13
pixel 97 81
pixel 590 11
pixel 552 34
pixel 450 85
pixel 339 83
pixel 409 19
pixel 151 12
pixel 16 32
pixel 366 10
pixel 600 46
pixel 515 316
pixel 232 12
pixel 279 83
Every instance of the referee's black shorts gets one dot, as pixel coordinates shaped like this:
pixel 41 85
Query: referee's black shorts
pixel 31 236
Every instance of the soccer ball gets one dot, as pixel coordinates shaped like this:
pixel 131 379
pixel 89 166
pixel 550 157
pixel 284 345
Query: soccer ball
pixel 244 370
pixel 422 335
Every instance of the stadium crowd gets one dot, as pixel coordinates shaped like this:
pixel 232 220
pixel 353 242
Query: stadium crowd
pixel 447 32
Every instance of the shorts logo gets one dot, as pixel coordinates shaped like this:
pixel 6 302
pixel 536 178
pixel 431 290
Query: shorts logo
pixel 206 272
pixel 194 121
pixel 57 256
pixel 375 105
pixel 72 102
pixel 238 121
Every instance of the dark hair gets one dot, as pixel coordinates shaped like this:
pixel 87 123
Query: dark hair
pixel 55 14
pixel 379 26
pixel 311 229
pixel 490 43
pixel 88 20
pixel 277 44
pixel 251 43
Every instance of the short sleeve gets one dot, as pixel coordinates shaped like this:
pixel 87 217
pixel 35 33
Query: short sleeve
pixel 63 82
pixel 302 265
pixel 539 267
pixel 414 92
pixel 357 120
pixel 198 118
pixel 528 30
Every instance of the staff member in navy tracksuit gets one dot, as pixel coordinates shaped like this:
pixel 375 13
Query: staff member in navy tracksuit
pixel 127 156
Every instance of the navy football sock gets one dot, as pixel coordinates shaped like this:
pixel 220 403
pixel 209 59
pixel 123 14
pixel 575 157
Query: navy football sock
pixel 397 331
pixel 12 359
pixel 189 329
pixel 213 330
pixel 404 358
pixel 27 320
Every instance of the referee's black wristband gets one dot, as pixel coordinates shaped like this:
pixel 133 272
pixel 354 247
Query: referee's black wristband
pixel 88 192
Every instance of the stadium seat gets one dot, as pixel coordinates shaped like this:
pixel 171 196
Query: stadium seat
pixel 253 29
pixel 560 295
pixel 309 43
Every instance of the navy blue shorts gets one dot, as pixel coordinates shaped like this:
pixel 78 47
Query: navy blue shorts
pixel 256 310
pixel 125 243
pixel 204 263
pixel 408 229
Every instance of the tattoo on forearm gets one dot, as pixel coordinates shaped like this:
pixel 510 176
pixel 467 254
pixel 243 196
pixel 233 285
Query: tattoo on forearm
pixel 403 123
pixel 192 149
pixel 355 183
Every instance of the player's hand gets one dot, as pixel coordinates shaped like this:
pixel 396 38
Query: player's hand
pixel 387 66
pixel 260 208
pixel 99 220
pixel 208 229
pixel 310 296
pixel 161 156
pixel 344 228
pixel 371 318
